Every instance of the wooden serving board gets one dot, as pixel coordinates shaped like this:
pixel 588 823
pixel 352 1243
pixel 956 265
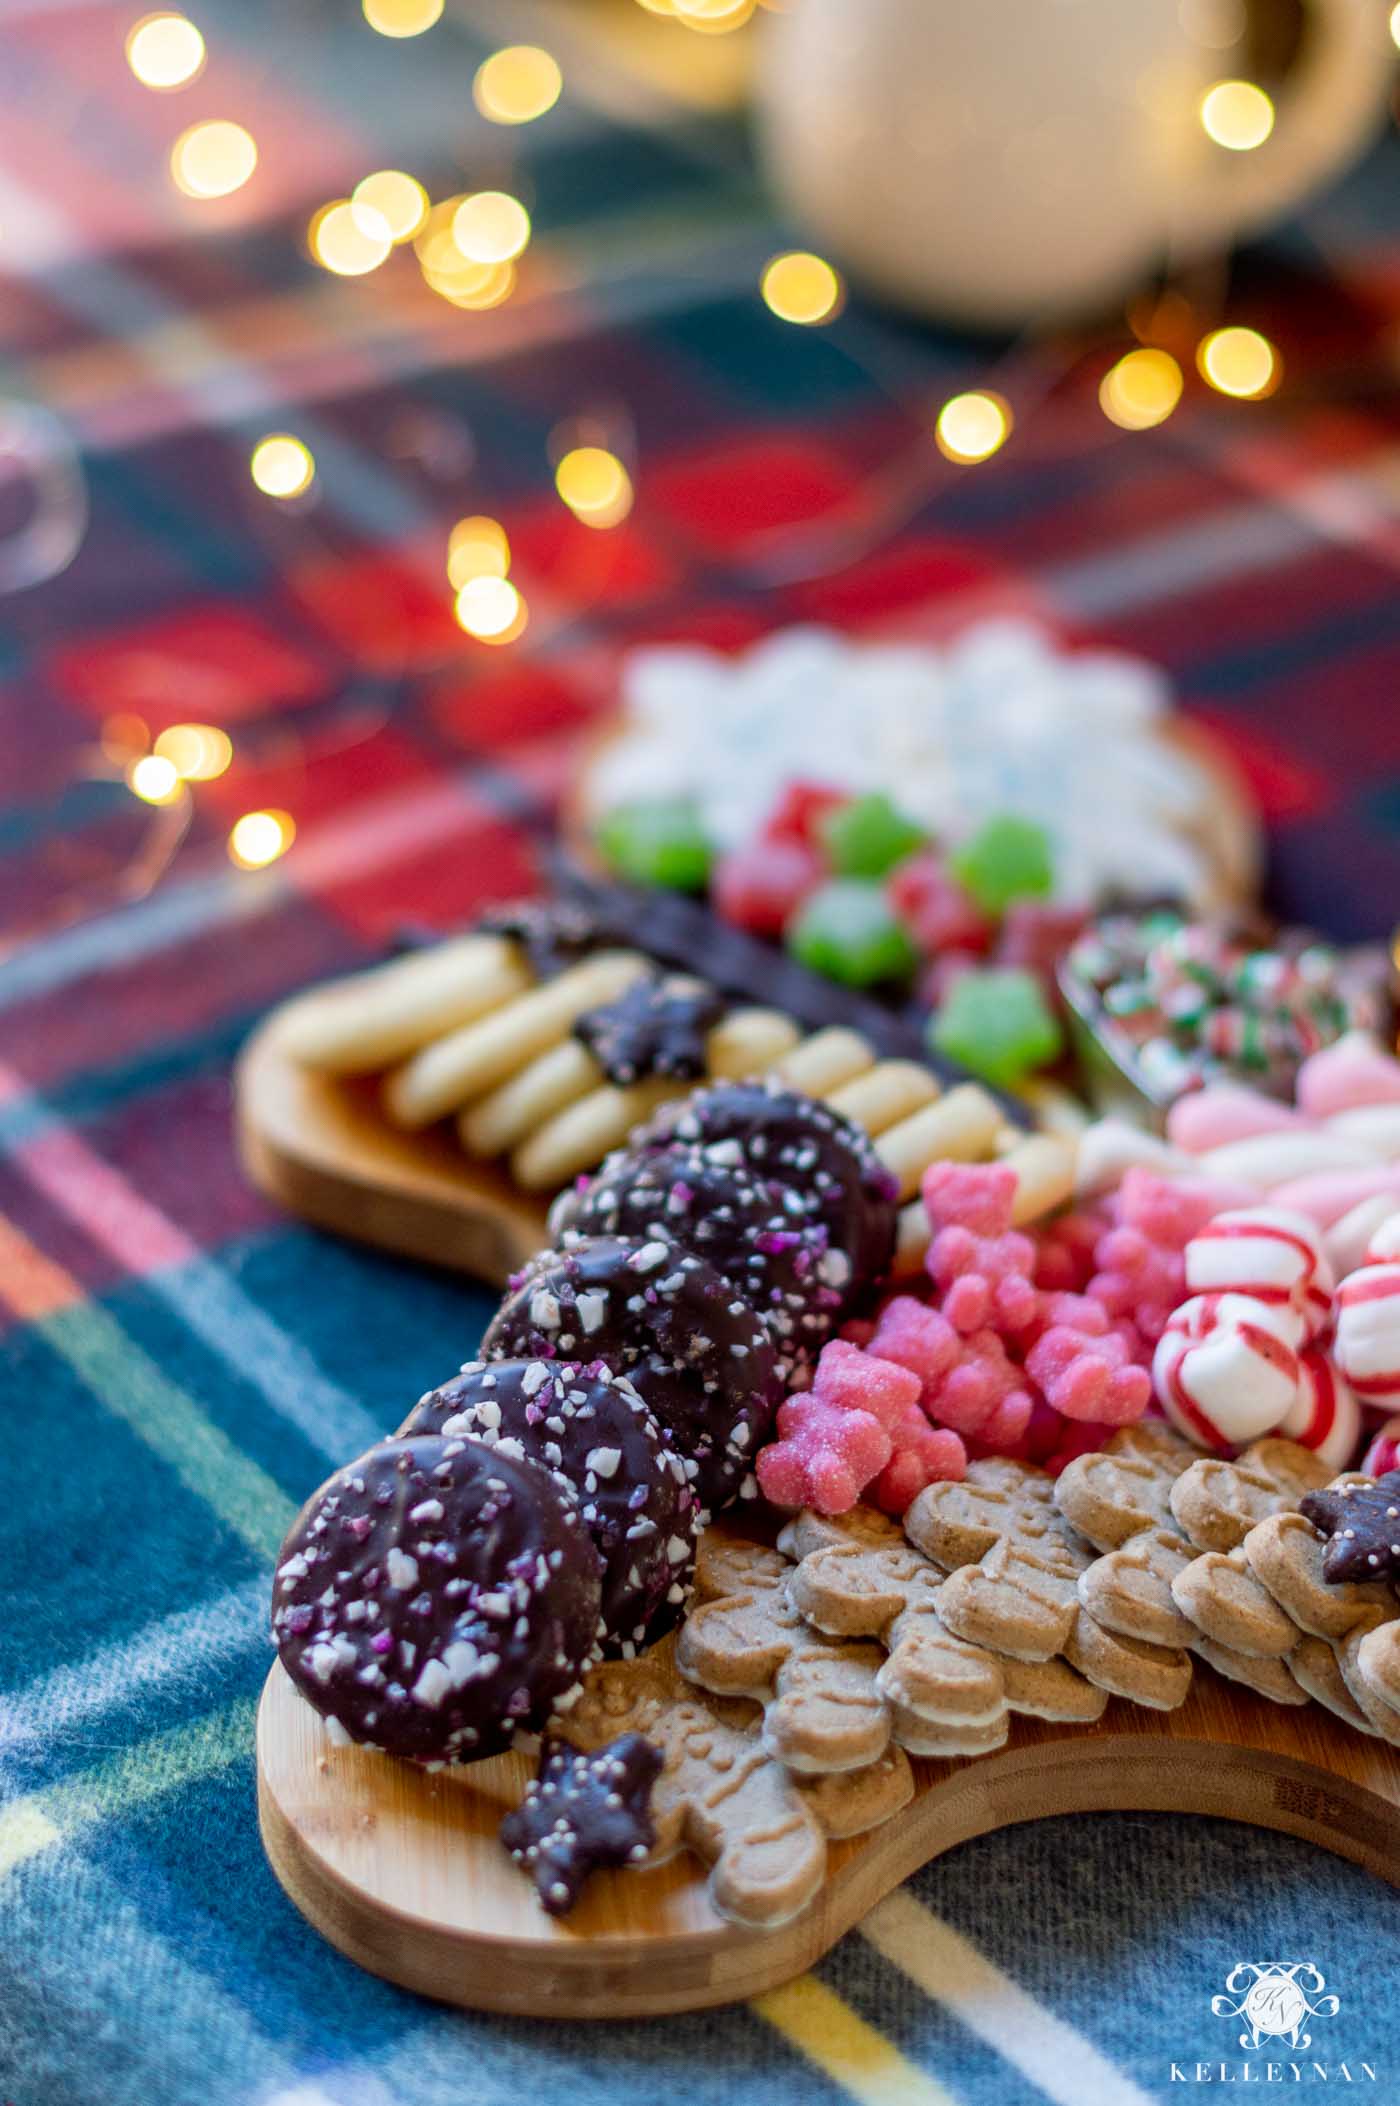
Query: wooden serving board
pixel 402 1870
pixel 321 1147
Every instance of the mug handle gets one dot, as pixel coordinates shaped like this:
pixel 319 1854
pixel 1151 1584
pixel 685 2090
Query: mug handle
pixel 1324 117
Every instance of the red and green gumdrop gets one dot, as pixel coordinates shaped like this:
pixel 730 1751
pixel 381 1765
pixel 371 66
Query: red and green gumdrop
pixel 1006 859
pixel 868 836
pixel 761 885
pixel 999 1025
pixel 657 841
pixel 847 930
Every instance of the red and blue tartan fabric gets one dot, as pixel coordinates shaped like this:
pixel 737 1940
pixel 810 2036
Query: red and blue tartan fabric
pixel 178 1365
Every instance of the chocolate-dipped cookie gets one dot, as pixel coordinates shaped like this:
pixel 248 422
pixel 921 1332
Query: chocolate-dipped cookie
pixel 435 1595
pixel 782 1134
pixel 698 1353
pixel 657 1026
pixel 763 1235
pixel 593 1428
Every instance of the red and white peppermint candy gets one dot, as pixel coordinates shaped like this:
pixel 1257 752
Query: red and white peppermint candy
pixel 1384 1451
pixel 1367 1345
pixel 1385 1242
pixel 1225 1370
pixel 1273 1254
pixel 1327 1416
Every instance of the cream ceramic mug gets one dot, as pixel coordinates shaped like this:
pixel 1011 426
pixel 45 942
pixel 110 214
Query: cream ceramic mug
pixel 1000 162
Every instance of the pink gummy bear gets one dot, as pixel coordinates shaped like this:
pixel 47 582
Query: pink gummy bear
pixel 923 1455
pixel 980 1264
pixel 1089 1375
pixel 915 1336
pixel 1064 1259
pixel 984 1394
pixel 833 1440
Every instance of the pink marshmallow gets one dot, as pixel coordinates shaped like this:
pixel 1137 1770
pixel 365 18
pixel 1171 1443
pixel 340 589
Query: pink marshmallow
pixel 1223 1112
pixel 1355 1071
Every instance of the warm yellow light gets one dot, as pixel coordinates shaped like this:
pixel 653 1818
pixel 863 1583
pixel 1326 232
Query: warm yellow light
pixel 1236 114
pixel 491 610
pixel 594 485
pixel 164 51
pixel 1239 362
pixel 490 227
pixel 477 548
pixel 197 752
pixel 801 288
pixel 154 779
pixel 658 7
pixel 349 239
pixel 474 285
pixel 972 426
pixel 281 465
pixel 402 18
pixel 259 838
pixel 212 159
pixel 714 18
pixel 1395 22
pixel 389 197
pixel 516 85
pixel 1141 390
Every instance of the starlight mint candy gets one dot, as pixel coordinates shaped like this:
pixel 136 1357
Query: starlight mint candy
pixel 1327 1416
pixel 1367 1346
pixel 1270 1253
pixel 1225 1370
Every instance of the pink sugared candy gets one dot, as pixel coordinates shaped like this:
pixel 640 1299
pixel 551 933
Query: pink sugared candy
pixel 800 810
pixel 1064 1259
pixel 923 1455
pixel 1225 1371
pixel 1384 1451
pixel 760 885
pixel 1367 1345
pixel 917 1337
pixel 985 1395
pixel 1272 1254
pixel 1356 1071
pixel 938 913
pixel 824 1456
pixel 981 1265
pixel 1327 1416
pixel 1089 1376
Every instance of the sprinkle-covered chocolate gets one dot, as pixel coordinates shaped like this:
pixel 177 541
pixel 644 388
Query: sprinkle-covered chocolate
pixel 583 1812
pixel 781 1134
pixel 657 1026
pixel 553 933
pixel 763 1235
pixel 593 1428
pixel 1360 1516
pixel 436 1596
pixel 678 1330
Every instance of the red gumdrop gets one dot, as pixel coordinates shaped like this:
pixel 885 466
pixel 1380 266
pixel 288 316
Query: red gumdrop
pixel 851 1380
pixel 1035 934
pixel 760 886
pixel 800 810
pixel 941 975
pixel 934 907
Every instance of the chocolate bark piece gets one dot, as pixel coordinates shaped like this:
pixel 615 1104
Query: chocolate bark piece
pixel 762 1234
pixel 1361 1517
pixel 436 1596
pixel 656 1026
pixel 583 1813
pixel 673 1325
pixel 592 1427
pixel 553 933
pixel 779 1133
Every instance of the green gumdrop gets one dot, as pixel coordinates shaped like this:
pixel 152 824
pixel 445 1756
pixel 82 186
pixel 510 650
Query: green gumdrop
pixel 847 930
pixel 657 841
pixel 868 836
pixel 1006 859
pixel 998 1024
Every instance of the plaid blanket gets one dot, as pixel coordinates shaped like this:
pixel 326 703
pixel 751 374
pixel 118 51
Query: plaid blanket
pixel 185 1363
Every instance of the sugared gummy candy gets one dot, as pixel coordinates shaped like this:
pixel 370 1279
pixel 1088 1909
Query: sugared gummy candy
pixel 868 836
pixel 997 1024
pixel 761 885
pixel 1006 859
pixel 657 841
pixel 847 930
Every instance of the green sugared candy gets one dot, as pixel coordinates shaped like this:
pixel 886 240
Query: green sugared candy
pixel 999 1025
pixel 847 930
pixel 657 841
pixel 868 836
pixel 1005 860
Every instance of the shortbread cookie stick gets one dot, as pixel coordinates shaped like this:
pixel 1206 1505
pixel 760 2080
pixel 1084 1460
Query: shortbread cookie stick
pixel 891 1091
pixel 368 1022
pixel 1045 1171
pixel 547 1085
pixel 825 1062
pixel 961 1127
pixel 577 1138
pixel 452 1070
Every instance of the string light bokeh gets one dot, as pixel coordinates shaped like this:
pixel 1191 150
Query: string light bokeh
pixel 474 251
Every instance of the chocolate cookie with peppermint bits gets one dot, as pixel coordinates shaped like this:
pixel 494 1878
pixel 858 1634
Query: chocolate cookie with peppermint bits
pixel 592 1427
pixel 436 1596
pixel 677 1329
pixel 757 1231
pixel 779 1133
